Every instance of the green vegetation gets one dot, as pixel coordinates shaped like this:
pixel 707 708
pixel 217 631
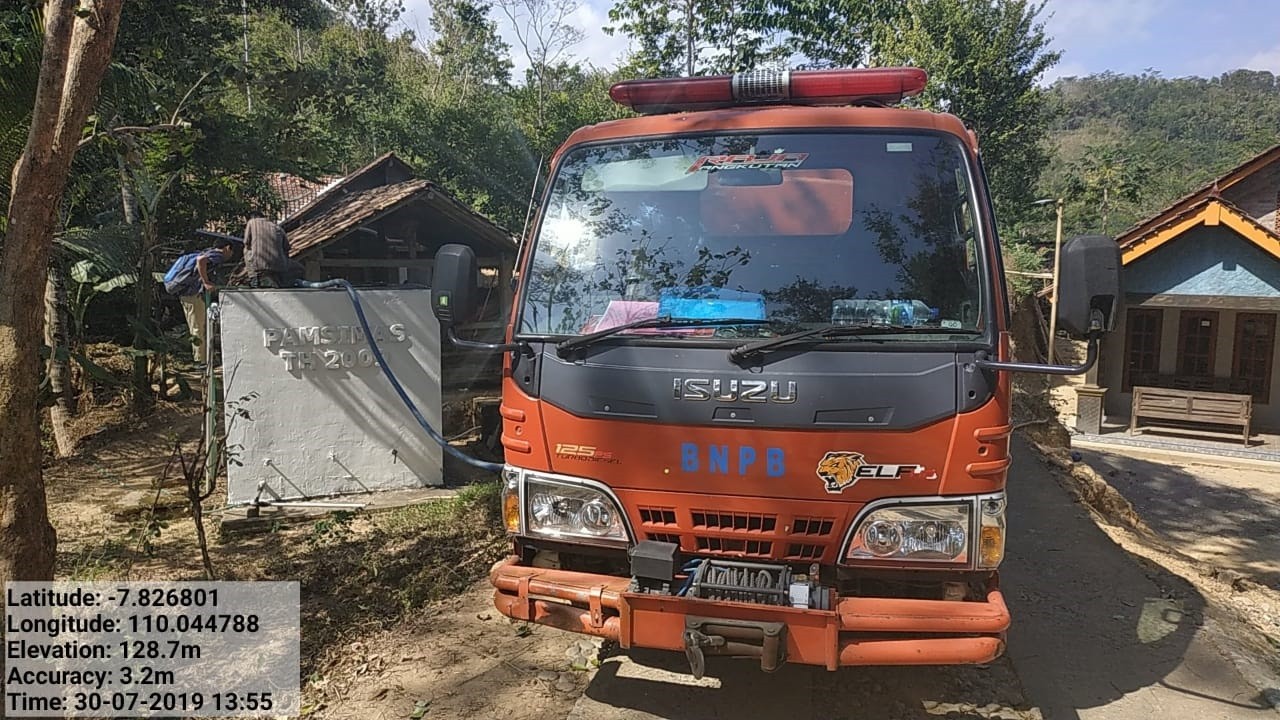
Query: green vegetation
pixel 1123 147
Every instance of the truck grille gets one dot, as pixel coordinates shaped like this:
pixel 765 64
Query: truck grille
pixel 802 551
pixel 812 526
pixel 657 515
pixel 779 536
pixel 729 546
pixel 737 522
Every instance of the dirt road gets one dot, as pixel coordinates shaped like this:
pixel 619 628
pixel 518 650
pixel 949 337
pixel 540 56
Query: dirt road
pixel 1096 635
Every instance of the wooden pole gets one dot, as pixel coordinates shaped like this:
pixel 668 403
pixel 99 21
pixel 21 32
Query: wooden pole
pixel 1053 299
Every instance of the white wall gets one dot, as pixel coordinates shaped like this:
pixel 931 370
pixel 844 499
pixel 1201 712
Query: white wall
pixel 325 420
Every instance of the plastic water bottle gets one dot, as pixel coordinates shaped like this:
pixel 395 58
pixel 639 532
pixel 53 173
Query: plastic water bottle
pixel 909 313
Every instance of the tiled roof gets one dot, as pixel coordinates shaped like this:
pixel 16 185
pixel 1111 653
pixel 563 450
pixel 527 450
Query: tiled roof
pixel 355 209
pixel 296 192
pixel 1211 209
pixel 1186 202
pixel 380 171
pixel 349 213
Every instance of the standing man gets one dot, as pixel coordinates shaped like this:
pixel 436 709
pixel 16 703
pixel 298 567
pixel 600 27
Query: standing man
pixel 266 254
pixel 191 280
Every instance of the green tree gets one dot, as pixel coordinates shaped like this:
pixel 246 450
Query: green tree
pixel 374 15
pixel 76 50
pixel 1104 178
pixel 984 61
pixel 467 45
pixel 572 98
pixel 830 33
pixel 695 37
pixel 1158 138
pixel 546 37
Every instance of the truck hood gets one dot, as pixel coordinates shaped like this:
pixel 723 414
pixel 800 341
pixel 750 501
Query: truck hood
pixel 832 425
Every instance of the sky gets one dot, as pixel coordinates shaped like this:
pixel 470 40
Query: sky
pixel 1174 37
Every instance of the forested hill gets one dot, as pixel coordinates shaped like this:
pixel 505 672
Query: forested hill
pixel 1125 146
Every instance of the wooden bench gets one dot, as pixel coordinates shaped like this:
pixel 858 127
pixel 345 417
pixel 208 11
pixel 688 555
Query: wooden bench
pixel 1193 406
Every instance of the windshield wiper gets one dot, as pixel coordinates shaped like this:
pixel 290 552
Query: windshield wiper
pixel 826 332
pixel 665 321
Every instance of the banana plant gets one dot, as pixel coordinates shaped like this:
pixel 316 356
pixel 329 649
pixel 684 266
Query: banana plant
pixel 100 260
pixel 96 261
pixel 19 74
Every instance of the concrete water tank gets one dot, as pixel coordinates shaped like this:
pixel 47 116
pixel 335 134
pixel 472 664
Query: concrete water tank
pixel 308 412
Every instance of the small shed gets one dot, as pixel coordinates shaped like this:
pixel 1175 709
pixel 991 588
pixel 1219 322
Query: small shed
pixel 381 226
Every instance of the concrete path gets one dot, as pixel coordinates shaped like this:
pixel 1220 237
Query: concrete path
pixel 1096 637
pixel 1227 516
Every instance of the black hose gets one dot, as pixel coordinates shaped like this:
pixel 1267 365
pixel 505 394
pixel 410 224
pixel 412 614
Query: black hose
pixel 395 383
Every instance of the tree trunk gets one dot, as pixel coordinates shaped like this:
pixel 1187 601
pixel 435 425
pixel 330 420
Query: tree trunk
pixel 689 49
pixel 142 396
pixel 1106 202
pixel 76 52
pixel 55 336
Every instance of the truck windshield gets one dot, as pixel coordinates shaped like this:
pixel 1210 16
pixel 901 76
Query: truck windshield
pixel 787 230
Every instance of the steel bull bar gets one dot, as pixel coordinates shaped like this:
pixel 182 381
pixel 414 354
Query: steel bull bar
pixel 859 631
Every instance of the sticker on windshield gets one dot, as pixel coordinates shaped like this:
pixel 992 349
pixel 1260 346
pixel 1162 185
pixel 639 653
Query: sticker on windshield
pixel 773 161
pixel 897 147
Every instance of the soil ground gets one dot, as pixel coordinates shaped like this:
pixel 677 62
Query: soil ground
pixel 393 617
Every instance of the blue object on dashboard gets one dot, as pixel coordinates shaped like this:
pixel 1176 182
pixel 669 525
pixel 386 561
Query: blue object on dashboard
pixel 710 303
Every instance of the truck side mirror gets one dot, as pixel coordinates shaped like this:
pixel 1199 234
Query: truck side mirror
pixel 453 284
pixel 1089 290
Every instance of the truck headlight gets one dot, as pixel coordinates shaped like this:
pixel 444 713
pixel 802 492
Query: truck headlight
pixel 930 533
pixel 560 509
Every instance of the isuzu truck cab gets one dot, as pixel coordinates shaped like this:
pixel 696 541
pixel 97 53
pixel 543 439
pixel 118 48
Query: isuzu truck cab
pixel 757 376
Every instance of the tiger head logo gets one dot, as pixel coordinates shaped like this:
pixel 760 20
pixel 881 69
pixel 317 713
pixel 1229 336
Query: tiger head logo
pixel 839 469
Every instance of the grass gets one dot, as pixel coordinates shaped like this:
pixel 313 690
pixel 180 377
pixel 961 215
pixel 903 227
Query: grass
pixel 481 500
pixel 105 560
pixel 362 570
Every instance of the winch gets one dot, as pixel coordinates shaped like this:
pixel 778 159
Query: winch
pixel 655 565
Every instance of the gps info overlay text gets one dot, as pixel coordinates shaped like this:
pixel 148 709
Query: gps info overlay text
pixel 144 649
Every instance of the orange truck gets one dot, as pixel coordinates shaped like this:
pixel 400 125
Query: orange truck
pixel 757 376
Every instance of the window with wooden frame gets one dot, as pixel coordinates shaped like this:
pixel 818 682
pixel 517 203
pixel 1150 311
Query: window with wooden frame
pixel 1255 344
pixel 1141 346
pixel 1197 343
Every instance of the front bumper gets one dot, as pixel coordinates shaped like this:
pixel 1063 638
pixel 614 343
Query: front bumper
pixel 859 631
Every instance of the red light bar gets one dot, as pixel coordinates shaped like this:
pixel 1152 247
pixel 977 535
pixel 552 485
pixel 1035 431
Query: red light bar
pixel 803 87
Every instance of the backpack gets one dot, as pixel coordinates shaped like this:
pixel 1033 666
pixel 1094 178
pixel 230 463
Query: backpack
pixel 178 280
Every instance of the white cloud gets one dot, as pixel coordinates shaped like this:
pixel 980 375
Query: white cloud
pixel 599 48
pixel 1264 60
